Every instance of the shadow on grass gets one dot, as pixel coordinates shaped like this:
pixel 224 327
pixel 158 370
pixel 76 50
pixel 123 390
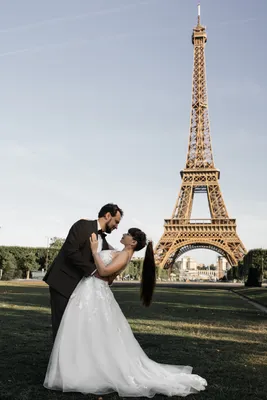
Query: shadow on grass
pixel 171 304
pixel 26 344
pixel 25 353
pixel 258 295
pixel 215 306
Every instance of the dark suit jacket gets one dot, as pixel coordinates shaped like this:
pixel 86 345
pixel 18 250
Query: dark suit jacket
pixel 74 260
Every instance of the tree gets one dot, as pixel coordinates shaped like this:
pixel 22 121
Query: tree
pixel 133 269
pixel 241 269
pixel 29 263
pixel 51 252
pixel 253 277
pixel 157 271
pixel 254 266
pixel 230 275
pixel 43 256
pixel 176 269
pixel 137 265
pixel 9 266
pixel 163 274
pixel 56 242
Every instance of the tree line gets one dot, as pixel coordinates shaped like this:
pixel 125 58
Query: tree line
pixel 18 262
pixel 252 269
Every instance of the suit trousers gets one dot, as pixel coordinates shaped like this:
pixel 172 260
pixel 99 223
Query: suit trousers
pixel 58 304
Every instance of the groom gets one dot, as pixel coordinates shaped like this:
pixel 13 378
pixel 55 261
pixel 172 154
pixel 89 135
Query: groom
pixel 75 260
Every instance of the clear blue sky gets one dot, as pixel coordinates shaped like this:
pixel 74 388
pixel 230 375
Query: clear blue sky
pixel 95 105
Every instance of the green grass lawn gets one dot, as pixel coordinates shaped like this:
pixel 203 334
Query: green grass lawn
pixel 255 294
pixel 217 332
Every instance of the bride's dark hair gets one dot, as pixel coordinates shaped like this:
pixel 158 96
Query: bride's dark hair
pixel 148 279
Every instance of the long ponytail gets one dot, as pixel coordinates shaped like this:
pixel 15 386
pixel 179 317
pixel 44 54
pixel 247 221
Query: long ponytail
pixel 148 279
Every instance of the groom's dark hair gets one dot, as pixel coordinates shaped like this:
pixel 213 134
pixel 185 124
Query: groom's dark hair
pixel 110 208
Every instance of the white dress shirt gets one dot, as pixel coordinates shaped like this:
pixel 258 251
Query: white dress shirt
pixel 99 238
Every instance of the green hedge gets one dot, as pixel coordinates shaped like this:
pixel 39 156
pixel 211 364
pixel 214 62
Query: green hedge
pixel 255 266
pixel 18 262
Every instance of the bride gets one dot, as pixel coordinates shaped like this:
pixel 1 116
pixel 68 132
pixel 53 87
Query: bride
pixel 95 350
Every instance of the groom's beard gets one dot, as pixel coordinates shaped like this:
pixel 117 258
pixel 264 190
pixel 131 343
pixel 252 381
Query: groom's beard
pixel 108 229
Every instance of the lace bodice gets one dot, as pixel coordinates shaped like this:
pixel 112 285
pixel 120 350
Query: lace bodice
pixel 106 256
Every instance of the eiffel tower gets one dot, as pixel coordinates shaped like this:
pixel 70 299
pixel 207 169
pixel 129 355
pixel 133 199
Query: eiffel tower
pixel 181 233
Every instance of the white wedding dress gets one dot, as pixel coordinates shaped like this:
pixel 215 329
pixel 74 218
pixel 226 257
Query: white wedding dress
pixel 96 352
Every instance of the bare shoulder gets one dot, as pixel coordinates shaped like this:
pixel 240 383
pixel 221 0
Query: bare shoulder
pixel 120 255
